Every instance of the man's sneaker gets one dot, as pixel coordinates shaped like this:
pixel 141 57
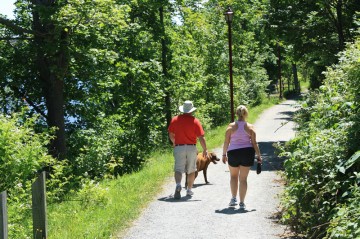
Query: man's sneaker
pixel 189 192
pixel 177 194
pixel 233 202
pixel 242 205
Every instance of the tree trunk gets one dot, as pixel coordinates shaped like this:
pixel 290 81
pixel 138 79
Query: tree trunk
pixel 53 89
pixel 52 66
pixel 340 25
pixel 296 79
pixel 337 20
pixel 167 97
pixel 279 69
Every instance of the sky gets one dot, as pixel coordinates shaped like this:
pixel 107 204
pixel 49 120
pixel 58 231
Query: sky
pixel 7 7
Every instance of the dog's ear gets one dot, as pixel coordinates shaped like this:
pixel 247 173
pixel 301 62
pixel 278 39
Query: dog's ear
pixel 209 156
pixel 214 158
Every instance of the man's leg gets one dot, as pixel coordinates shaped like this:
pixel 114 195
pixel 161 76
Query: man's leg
pixel 191 168
pixel 191 179
pixel 178 177
pixel 179 155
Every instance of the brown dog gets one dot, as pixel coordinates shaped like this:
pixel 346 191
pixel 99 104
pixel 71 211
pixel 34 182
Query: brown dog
pixel 202 165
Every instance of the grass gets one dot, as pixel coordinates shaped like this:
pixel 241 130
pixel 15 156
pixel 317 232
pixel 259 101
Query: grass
pixel 116 203
pixel 107 209
pixel 304 85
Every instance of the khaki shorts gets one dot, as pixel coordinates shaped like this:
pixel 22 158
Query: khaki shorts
pixel 185 158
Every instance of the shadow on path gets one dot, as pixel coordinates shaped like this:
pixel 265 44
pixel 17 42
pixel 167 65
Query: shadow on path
pixel 233 210
pixel 271 162
pixel 195 185
pixel 286 115
pixel 171 198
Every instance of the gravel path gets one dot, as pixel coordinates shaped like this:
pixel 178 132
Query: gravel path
pixel 206 214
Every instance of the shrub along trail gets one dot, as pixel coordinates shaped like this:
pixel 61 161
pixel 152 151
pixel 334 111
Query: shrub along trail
pixel 206 214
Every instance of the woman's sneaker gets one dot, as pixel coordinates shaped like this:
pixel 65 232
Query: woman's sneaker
pixel 177 194
pixel 242 205
pixel 233 202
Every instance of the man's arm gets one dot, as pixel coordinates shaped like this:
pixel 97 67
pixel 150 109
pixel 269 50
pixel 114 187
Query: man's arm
pixel 172 138
pixel 203 144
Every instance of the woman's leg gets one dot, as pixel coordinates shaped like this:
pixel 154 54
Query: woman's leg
pixel 244 172
pixel 234 175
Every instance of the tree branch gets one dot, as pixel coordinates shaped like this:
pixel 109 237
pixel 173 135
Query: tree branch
pixel 30 102
pixel 332 16
pixel 15 28
pixel 15 38
pixel 36 108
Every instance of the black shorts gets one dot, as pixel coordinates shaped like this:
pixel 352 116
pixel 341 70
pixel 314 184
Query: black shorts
pixel 241 157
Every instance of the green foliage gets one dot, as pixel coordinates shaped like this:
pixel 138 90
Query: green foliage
pixel 92 194
pixel 322 170
pixel 111 147
pixel 22 150
pixel 24 154
pixel 19 211
pixel 313 32
pixel 346 222
pixel 59 181
pixel 101 209
pixel 118 64
pixel 199 66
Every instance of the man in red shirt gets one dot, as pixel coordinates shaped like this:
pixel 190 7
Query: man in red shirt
pixel 183 131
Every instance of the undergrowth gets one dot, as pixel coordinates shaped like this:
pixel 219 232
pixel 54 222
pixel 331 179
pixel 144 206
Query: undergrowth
pixel 322 198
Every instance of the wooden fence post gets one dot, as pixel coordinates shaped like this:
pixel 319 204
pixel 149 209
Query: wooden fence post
pixel 39 207
pixel 3 217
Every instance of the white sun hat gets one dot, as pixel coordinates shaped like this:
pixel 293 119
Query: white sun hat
pixel 188 107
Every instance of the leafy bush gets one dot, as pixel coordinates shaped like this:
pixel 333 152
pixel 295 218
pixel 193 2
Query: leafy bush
pixel 92 194
pixel 23 152
pixel 112 147
pixel 346 222
pixel 19 211
pixel 321 199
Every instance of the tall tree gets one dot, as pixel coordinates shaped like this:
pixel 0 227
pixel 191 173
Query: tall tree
pixel 108 74
pixel 45 39
pixel 164 63
pixel 317 30
pixel 50 62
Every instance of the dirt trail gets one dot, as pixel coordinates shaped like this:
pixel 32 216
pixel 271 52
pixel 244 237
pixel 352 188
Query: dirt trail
pixel 206 214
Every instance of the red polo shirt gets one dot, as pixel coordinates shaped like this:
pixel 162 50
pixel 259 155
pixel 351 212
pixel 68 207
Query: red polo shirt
pixel 186 129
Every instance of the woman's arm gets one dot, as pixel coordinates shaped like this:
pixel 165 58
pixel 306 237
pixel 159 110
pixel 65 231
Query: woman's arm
pixel 254 142
pixel 228 133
